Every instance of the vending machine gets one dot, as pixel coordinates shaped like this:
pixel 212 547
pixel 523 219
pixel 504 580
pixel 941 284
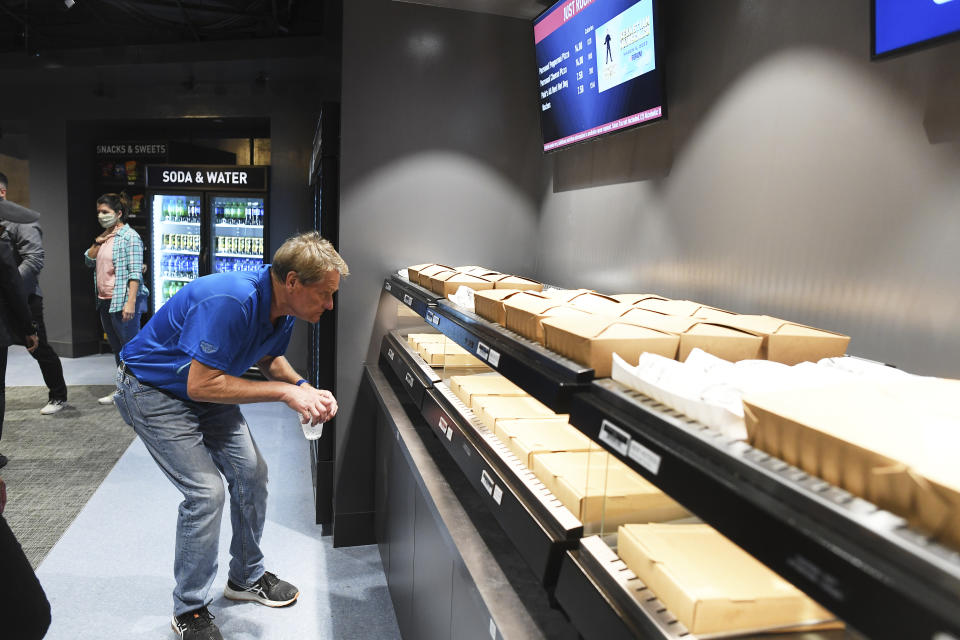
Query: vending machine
pixel 205 219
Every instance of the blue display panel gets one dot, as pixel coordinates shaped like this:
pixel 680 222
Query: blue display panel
pixel 599 68
pixel 902 24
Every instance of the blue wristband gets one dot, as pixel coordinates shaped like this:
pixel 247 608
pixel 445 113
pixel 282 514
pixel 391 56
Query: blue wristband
pixel 300 382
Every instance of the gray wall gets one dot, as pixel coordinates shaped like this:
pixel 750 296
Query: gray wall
pixel 47 99
pixel 439 155
pixel 794 177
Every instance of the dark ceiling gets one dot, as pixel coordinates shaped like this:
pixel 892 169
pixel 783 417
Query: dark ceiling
pixel 36 27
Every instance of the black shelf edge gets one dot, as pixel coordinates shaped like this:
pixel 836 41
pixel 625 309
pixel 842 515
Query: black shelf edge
pixel 412 295
pixel 857 561
pixel 416 377
pixel 595 611
pixel 548 377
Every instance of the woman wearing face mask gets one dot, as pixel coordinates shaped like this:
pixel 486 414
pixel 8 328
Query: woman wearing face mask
pixel 116 256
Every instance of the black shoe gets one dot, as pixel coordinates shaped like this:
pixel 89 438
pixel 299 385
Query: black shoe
pixel 269 590
pixel 196 625
pixel 3 461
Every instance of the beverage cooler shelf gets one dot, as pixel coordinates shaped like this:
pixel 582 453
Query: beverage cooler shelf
pixel 538 525
pixel 862 563
pixel 233 225
pixel 252 256
pixel 548 377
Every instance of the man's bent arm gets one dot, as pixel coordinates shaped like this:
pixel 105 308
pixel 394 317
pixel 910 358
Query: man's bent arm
pixel 278 368
pixel 206 384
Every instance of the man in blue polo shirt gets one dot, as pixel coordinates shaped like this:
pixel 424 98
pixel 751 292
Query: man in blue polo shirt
pixel 178 387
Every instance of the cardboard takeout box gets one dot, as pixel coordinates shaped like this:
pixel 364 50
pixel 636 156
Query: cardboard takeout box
pixel 788 342
pixel 524 313
pixel 694 333
pixel 486 384
pixel 602 491
pixel 592 341
pixel 709 583
pixel 489 304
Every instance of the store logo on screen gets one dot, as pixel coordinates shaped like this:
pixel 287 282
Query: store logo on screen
pixel 941 1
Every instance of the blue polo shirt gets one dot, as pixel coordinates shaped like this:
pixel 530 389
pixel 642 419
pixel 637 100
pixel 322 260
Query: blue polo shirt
pixel 221 320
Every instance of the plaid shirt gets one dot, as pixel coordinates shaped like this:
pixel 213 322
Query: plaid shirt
pixel 127 264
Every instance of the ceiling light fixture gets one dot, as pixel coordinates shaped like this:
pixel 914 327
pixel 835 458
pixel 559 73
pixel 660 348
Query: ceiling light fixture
pixel 69 3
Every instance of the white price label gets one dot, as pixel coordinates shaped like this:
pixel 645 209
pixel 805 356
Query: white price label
pixel 494 358
pixel 450 434
pixel 407 300
pixel 617 438
pixel 644 457
pixel 409 379
pixel 487 481
pixel 442 425
pixel 388 286
pixel 493 629
pixel 483 351
pixel 390 353
pixel 497 494
pixel 433 318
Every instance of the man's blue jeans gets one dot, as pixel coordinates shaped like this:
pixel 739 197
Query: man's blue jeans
pixel 194 443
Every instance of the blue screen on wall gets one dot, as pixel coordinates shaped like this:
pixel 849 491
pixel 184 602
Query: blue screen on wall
pixel 599 66
pixel 902 24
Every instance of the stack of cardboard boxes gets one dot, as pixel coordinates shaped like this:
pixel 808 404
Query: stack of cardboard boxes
pixel 588 328
pixel 596 487
pixel 438 351
pixel 444 280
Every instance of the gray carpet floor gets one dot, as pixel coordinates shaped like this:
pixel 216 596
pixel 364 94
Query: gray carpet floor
pixel 56 462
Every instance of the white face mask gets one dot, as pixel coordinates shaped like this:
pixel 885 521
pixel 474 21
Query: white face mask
pixel 107 220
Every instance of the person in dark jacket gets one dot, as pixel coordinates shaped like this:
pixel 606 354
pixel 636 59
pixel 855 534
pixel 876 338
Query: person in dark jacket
pixel 27 241
pixel 27 611
pixel 16 322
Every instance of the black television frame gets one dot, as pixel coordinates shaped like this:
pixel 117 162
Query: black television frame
pixel 658 48
pixel 908 48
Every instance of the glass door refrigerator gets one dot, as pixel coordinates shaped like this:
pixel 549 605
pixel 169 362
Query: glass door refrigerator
pixel 205 219
pixel 236 231
pixel 177 243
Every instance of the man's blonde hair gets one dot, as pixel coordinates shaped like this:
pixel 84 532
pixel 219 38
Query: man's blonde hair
pixel 310 256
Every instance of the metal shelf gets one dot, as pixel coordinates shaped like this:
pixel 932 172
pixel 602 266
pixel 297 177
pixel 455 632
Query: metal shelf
pixel 412 371
pixel 861 563
pixel 538 525
pixel 548 377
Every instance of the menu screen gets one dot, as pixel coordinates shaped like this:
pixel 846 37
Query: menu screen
pixel 599 69
pixel 901 24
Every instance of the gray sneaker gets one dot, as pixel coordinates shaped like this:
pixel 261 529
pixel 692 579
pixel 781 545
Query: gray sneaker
pixel 269 590
pixel 54 406
pixel 196 625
